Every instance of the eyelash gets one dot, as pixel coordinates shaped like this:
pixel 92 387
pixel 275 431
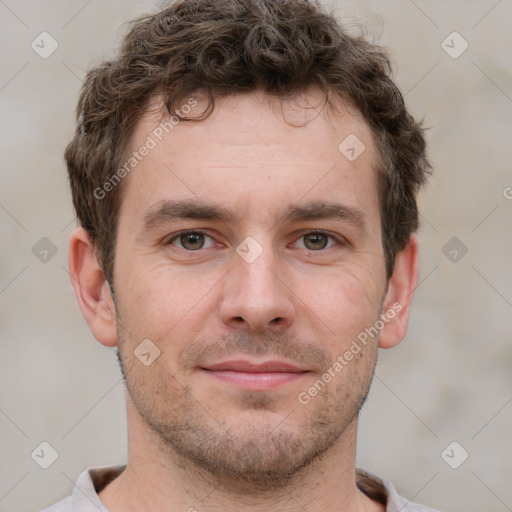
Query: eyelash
pixel 338 240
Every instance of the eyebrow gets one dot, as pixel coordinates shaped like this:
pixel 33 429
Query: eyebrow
pixel 324 211
pixel 168 211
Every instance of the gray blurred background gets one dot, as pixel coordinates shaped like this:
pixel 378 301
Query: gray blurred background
pixel 450 381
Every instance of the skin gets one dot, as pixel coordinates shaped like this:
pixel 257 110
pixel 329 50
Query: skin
pixel 198 441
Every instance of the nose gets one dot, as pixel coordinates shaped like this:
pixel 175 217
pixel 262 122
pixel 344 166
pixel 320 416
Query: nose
pixel 256 296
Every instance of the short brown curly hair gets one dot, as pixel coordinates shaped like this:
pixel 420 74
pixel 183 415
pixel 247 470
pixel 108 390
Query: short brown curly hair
pixel 223 47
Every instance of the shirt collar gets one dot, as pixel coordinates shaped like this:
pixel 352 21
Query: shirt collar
pixel 94 479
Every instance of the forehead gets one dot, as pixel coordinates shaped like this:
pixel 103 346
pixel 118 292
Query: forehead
pixel 252 148
pixel 235 115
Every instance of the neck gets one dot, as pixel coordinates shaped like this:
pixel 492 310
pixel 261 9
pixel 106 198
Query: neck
pixel 157 478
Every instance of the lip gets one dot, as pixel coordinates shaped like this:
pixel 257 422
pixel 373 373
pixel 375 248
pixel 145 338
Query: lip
pixel 241 365
pixel 252 376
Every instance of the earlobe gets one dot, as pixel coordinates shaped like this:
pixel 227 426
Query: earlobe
pixel 399 295
pixel 91 289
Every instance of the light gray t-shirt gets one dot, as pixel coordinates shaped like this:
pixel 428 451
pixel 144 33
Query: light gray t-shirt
pixel 84 497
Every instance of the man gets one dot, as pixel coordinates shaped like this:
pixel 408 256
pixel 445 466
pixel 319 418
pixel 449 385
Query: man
pixel 244 173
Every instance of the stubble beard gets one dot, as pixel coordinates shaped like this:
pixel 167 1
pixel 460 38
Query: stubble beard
pixel 249 458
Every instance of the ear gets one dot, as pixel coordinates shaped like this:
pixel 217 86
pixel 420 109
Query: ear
pixel 398 298
pixel 91 288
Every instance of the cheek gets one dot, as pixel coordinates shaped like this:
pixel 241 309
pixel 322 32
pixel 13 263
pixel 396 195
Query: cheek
pixel 159 302
pixel 341 305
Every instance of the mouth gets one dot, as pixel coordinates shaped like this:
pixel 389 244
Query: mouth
pixel 255 376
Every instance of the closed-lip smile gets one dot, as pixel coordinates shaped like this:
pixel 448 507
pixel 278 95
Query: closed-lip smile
pixel 255 376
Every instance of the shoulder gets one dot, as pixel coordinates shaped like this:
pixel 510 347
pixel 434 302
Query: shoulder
pixel 84 496
pixel 384 491
pixel 61 506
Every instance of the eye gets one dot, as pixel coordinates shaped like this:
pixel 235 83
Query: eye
pixel 190 240
pixel 318 240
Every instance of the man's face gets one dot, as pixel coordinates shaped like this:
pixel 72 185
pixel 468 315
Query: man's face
pixel 258 286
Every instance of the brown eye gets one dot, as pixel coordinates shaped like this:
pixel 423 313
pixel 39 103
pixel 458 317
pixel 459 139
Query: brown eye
pixel 316 241
pixel 190 240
